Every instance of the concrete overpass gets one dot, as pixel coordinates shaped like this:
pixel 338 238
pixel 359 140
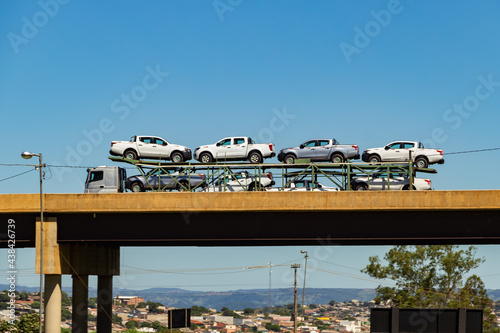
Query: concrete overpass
pixel 83 232
pixel 260 218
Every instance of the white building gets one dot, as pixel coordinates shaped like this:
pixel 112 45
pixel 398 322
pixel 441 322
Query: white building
pixel 349 326
pixel 221 319
pixel 242 321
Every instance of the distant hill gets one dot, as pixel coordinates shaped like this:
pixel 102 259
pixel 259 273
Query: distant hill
pixel 253 298
pixel 240 299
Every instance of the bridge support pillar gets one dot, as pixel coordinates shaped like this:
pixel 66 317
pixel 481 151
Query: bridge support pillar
pixel 52 303
pixel 80 260
pixel 80 302
pixel 105 301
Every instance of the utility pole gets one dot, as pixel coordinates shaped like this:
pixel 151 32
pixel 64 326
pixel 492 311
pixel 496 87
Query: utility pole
pixel 304 288
pixel 295 266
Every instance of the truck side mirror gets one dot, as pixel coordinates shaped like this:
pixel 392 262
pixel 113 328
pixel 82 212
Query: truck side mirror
pixel 218 144
pixel 386 147
pixel 301 146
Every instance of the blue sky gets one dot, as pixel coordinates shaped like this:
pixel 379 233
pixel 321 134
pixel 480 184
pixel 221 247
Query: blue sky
pixel 75 75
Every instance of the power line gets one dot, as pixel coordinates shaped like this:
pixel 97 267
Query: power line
pixel 19 174
pixel 471 151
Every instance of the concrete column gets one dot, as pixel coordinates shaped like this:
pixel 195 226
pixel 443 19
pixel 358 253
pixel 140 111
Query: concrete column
pixel 52 303
pixel 80 303
pixel 104 303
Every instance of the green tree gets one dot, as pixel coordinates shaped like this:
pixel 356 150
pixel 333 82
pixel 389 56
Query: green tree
pixel 226 312
pixel 313 306
pixel 332 302
pixel 116 319
pixel 198 310
pixel 65 314
pixel 35 305
pixel 157 326
pixel 141 305
pixel 272 327
pixel 26 324
pixel 248 311
pixel 153 306
pixel 93 302
pixel 132 324
pixel 65 301
pixel 431 276
pixel 23 296
pixel 4 297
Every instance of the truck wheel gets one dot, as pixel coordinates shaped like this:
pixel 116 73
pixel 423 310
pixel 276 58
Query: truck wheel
pixel 337 158
pixel 177 158
pixel 407 187
pixel 205 158
pixel 289 159
pixel 421 162
pixel 374 159
pixel 361 187
pixel 255 187
pixel 136 187
pixel 130 154
pixel 255 157
pixel 183 186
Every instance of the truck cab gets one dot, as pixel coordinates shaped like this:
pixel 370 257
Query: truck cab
pixel 104 179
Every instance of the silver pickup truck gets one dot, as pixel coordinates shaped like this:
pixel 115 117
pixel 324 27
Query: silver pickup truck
pixel 319 150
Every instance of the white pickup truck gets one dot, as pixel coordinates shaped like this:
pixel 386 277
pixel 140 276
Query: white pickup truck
pixel 237 148
pixel 402 151
pixel 241 181
pixel 142 146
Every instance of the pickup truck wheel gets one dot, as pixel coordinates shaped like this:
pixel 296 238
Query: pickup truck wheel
pixel 421 162
pixel 255 187
pixel 130 154
pixel 183 186
pixel 374 159
pixel 177 158
pixel 255 157
pixel 136 187
pixel 407 187
pixel 361 187
pixel 337 158
pixel 205 158
pixel 289 159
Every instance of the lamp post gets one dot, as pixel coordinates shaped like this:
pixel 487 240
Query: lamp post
pixel 27 155
pixel 304 288
pixel 295 266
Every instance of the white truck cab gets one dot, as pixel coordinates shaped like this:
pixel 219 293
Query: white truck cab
pixel 104 179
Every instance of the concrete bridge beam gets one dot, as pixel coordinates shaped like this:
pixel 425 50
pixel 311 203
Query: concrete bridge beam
pixel 104 303
pixel 80 302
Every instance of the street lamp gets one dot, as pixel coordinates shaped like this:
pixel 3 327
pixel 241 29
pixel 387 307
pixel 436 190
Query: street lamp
pixel 304 288
pixel 27 155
